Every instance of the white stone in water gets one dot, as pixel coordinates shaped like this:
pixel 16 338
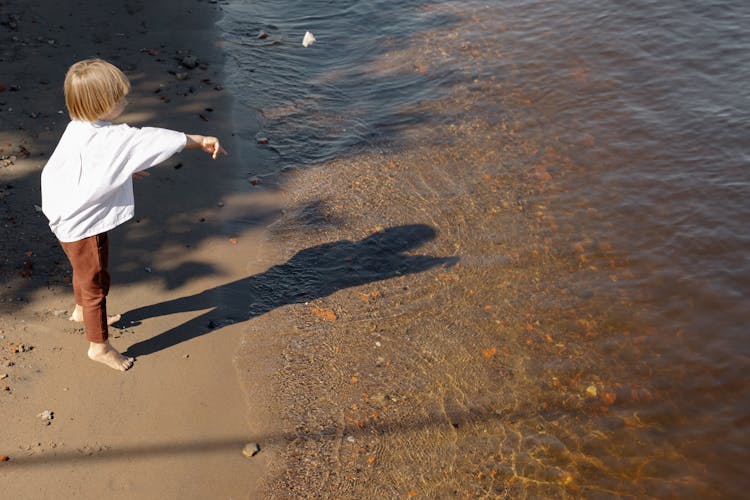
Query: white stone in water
pixel 308 39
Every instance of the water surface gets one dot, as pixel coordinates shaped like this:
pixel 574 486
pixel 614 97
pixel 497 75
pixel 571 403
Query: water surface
pixel 587 162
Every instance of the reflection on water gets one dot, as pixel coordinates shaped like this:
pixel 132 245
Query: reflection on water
pixel 585 161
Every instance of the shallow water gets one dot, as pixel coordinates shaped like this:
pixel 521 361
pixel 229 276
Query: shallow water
pixel 586 162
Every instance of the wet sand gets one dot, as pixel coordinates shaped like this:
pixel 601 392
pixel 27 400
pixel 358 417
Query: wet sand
pixel 450 329
pixel 464 361
pixel 175 424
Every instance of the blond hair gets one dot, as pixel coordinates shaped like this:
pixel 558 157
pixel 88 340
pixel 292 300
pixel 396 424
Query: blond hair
pixel 92 88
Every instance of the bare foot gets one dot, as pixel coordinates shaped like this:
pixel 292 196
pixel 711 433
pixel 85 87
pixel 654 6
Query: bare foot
pixel 105 353
pixel 77 316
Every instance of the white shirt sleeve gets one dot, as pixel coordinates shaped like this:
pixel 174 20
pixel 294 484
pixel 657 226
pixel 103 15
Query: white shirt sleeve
pixel 152 146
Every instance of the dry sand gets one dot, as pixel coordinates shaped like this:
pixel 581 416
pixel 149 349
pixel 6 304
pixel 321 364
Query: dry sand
pixel 174 425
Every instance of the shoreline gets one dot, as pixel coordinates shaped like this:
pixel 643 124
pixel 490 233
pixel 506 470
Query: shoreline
pixel 175 424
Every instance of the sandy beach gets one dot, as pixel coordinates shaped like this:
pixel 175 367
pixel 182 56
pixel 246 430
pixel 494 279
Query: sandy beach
pixel 173 426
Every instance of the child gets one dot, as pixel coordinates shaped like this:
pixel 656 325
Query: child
pixel 87 187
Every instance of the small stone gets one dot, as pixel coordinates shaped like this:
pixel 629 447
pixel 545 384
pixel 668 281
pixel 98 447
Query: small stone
pixel 186 356
pixel 220 204
pixel 189 61
pixel 3 376
pixel 379 398
pixel 47 415
pixel 181 76
pixel 251 449
pixel 378 344
pixel 350 439
pixel 591 391
pixel 380 361
pixel 147 269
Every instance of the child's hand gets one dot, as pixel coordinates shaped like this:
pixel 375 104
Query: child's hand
pixel 211 145
pixel 207 143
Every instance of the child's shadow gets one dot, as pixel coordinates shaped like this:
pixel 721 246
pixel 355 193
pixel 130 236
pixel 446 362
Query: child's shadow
pixel 310 274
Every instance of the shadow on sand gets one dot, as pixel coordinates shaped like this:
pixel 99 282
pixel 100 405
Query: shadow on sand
pixel 310 274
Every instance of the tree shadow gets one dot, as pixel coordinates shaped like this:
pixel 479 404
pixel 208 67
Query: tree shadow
pixel 311 273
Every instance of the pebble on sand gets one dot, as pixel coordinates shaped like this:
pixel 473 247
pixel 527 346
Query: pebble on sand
pixel 47 416
pixel 251 449
pixel 189 61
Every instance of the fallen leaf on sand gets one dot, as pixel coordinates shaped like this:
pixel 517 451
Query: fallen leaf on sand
pixel 488 353
pixel 542 174
pixel 327 314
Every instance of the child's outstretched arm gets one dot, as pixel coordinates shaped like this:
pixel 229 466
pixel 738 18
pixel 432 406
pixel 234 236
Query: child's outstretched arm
pixel 207 143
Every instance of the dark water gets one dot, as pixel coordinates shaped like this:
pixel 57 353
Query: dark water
pixel 632 118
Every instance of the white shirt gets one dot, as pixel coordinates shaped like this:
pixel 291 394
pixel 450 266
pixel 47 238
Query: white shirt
pixel 87 184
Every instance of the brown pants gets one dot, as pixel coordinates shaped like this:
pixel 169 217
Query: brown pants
pixel 90 258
